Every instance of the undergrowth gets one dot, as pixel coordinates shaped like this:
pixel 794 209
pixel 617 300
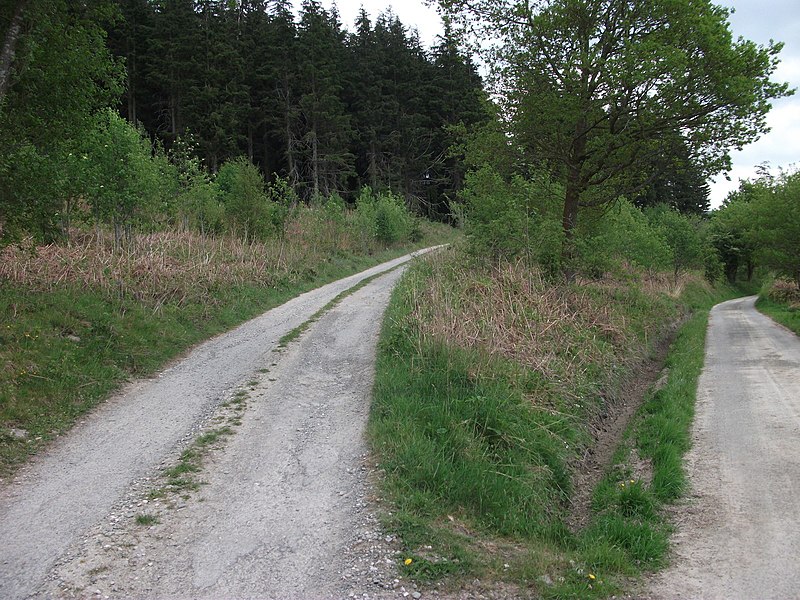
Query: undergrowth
pixel 488 380
pixel 78 320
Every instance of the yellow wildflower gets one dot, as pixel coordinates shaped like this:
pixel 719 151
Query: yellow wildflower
pixel 408 561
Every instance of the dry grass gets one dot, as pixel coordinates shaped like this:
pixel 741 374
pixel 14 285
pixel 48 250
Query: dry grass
pixel 177 267
pixel 560 331
pixel 785 292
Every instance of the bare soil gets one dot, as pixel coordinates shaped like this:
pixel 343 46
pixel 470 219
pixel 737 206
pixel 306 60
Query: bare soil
pixel 609 425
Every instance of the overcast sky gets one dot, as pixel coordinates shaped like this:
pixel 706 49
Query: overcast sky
pixel 757 20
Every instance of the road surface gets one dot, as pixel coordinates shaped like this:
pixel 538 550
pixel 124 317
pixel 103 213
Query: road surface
pixel 739 536
pixel 275 499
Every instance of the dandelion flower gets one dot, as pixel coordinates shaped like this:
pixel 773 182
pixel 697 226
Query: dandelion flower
pixel 408 561
pixel 592 577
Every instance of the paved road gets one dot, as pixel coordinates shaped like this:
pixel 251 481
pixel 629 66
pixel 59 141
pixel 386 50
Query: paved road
pixel 56 499
pixel 740 536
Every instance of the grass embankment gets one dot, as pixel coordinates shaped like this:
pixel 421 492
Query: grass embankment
pixel 77 320
pixel 780 300
pixel 490 383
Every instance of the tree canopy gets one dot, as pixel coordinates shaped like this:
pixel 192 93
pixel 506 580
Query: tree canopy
pixel 601 91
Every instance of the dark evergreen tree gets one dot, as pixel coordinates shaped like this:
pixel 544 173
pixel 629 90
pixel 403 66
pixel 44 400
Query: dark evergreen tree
pixel 459 99
pixel 326 128
pixel 171 65
pixel 676 181
pixel 129 39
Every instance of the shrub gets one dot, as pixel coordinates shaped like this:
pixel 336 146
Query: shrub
pixel 384 217
pixel 511 219
pixel 241 189
pixel 621 233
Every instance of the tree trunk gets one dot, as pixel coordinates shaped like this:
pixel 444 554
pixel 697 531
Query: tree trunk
pixel 9 47
pixel 265 154
pixel 250 143
pixel 373 164
pixel 289 136
pixel 572 198
pixel 315 162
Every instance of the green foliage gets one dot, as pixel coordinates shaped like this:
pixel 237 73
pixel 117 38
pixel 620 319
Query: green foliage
pixel 282 202
pixel 61 75
pixel 682 235
pixel 123 175
pixel 384 216
pixel 598 93
pixel 247 209
pixel 775 226
pixel 620 233
pixel 759 225
pixel 513 219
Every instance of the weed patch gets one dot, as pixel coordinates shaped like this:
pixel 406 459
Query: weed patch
pixel 146 519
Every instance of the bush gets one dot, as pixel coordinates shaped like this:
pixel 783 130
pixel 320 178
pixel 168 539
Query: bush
pixel 241 189
pixel 682 235
pixel 511 219
pixel 124 178
pixel 384 217
pixel 621 233
pixel 283 201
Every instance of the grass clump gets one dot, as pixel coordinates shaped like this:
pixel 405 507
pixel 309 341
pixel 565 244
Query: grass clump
pixel 146 519
pixel 488 382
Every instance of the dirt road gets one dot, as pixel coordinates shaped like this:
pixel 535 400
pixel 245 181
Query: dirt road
pixel 739 536
pixel 283 497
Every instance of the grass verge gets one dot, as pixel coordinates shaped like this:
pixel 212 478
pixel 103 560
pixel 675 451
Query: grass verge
pixel 779 299
pixel 66 343
pixel 487 384
pixel 781 312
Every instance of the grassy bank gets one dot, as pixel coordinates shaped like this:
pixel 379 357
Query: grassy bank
pixel 493 383
pixel 77 320
pixel 780 300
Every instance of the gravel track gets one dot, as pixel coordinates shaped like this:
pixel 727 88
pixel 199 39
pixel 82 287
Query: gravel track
pixel 291 453
pixel 738 534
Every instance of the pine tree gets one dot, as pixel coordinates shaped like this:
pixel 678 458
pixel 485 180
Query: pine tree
pixel 326 127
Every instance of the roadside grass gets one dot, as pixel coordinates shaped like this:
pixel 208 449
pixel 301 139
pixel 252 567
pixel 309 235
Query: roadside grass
pixel 786 315
pixel 780 300
pixel 487 383
pixel 77 321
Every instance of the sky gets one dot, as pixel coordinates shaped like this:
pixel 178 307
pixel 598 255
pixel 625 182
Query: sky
pixel 756 20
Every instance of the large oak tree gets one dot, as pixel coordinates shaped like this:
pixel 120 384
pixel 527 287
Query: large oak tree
pixel 600 90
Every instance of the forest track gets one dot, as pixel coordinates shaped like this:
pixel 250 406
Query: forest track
pixel 737 534
pixel 273 488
